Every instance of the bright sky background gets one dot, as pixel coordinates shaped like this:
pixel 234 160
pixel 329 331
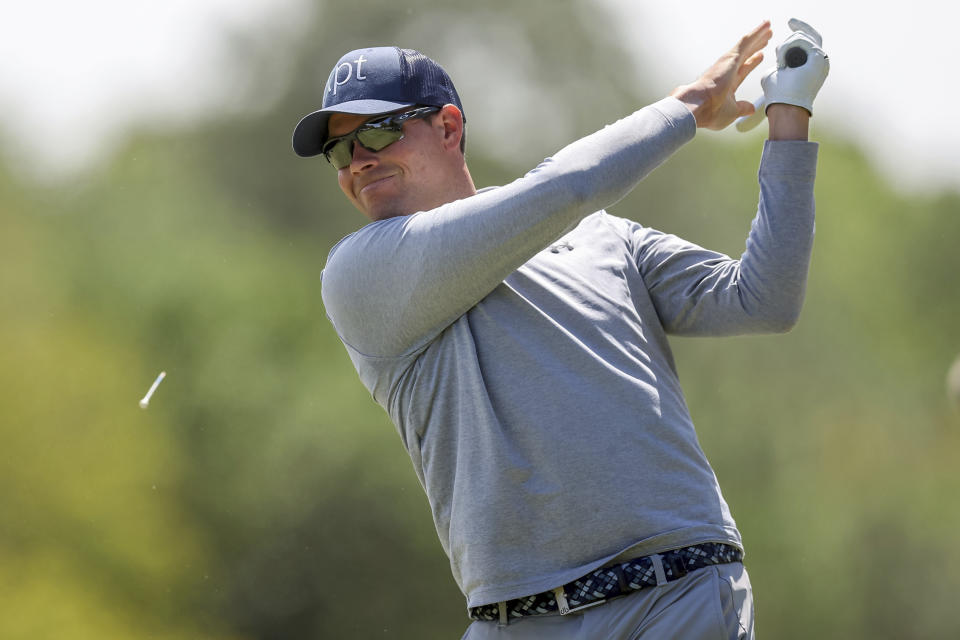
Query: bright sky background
pixel 890 89
pixel 74 75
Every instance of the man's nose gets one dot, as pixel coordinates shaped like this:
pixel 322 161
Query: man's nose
pixel 362 157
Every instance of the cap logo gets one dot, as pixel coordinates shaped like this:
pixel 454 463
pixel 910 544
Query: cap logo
pixel 345 69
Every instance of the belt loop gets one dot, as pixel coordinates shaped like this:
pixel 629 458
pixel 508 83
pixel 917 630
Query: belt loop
pixel 657 560
pixel 502 610
pixel 562 605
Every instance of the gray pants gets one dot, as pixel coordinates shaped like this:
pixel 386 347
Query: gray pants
pixel 714 602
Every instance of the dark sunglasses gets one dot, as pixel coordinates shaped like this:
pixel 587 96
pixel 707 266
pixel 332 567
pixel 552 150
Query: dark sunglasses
pixel 375 135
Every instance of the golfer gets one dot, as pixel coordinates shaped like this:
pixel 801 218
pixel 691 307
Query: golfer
pixel 517 338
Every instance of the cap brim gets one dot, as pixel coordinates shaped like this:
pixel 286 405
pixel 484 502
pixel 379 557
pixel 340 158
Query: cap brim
pixel 311 131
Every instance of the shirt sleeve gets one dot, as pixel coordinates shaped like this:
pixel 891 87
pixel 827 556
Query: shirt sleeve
pixel 392 287
pixel 700 292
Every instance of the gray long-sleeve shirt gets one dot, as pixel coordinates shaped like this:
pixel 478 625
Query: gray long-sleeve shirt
pixel 518 340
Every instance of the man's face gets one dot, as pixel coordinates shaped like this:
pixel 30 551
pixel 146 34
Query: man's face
pixel 401 179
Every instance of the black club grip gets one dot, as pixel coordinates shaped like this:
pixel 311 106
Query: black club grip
pixel 795 57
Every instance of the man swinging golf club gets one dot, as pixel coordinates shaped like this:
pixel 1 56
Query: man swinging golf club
pixel 517 338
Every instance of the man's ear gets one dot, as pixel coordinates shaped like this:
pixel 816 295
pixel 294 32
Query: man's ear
pixel 451 118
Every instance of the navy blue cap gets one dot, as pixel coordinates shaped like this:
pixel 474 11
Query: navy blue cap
pixel 373 82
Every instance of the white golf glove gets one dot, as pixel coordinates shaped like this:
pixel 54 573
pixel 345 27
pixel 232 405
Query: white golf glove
pixel 802 66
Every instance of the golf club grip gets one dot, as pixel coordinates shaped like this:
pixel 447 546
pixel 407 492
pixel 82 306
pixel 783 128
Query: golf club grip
pixel 795 57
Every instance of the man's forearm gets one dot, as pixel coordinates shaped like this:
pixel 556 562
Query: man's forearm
pixel 788 122
pixel 703 293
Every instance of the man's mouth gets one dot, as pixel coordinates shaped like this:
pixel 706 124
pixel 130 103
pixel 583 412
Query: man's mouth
pixel 374 183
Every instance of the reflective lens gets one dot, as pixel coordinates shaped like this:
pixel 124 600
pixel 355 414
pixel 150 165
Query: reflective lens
pixel 373 136
pixel 339 151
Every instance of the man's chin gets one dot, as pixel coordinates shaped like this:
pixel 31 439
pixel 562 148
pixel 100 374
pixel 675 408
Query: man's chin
pixel 382 210
pixel 380 206
pixel 377 203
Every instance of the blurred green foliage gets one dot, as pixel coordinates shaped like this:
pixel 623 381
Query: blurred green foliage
pixel 264 495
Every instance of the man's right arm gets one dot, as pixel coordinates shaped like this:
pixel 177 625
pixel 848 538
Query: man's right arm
pixel 394 285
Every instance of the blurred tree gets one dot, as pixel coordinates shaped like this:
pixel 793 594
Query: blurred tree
pixel 94 541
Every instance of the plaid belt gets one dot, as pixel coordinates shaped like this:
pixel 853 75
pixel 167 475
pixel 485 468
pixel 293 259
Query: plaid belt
pixel 604 583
